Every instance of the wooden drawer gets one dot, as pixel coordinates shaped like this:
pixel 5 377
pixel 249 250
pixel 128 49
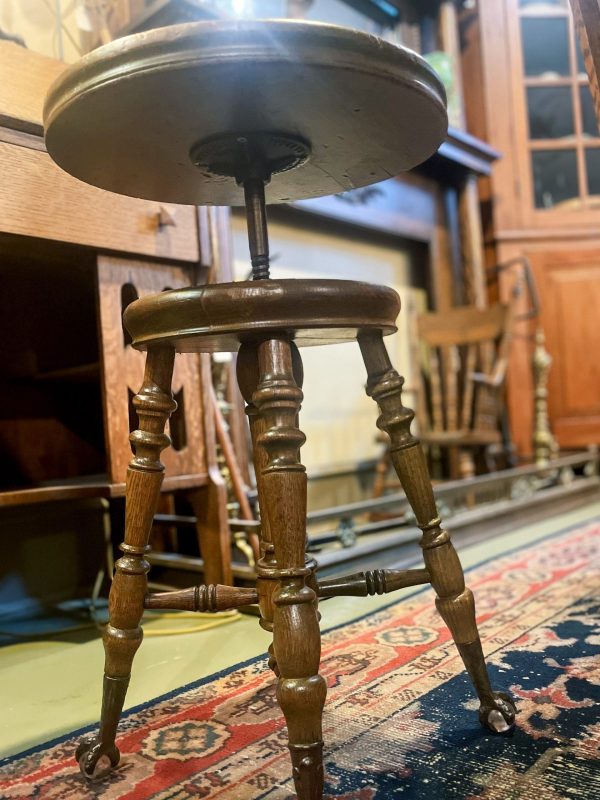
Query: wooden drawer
pixel 39 199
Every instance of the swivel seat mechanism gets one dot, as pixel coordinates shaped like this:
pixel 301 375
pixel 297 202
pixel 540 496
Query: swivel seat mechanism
pixel 252 159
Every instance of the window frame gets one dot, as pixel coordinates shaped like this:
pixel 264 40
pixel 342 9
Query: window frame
pixel 583 210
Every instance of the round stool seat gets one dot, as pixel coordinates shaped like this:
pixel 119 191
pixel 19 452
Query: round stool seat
pixel 345 108
pixel 220 316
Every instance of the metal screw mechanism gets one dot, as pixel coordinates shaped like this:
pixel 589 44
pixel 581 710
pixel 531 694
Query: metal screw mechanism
pixel 252 159
pixel 258 235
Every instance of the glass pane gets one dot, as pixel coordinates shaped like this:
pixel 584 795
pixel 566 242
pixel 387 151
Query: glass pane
pixel 592 164
pixel 550 111
pixel 554 177
pixel 545 45
pixel 589 123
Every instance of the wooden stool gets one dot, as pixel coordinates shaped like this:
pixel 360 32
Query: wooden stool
pixel 214 113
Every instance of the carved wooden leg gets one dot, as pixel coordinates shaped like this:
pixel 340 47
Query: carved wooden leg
pixel 123 634
pixel 266 567
pixel 455 602
pixel 284 575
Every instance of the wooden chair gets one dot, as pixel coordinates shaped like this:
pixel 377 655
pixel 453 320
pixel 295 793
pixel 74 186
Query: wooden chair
pixel 302 110
pixel 464 358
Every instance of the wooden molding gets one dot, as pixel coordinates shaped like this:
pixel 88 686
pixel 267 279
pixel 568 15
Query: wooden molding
pixel 587 21
pixel 26 77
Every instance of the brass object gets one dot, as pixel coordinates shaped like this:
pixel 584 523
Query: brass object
pixel 260 112
pixel 545 446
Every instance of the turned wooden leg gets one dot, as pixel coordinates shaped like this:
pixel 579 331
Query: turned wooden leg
pixel 454 602
pixel 286 597
pixel 123 634
pixel 266 567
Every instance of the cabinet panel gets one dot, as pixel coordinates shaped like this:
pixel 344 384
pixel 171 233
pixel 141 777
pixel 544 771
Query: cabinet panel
pixel 40 200
pixel 121 281
pixel 569 284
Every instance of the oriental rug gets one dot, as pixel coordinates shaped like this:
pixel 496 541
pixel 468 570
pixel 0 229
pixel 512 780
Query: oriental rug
pixel 400 719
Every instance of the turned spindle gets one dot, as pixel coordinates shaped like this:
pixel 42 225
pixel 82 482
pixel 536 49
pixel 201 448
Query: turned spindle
pixel 379 581
pixel 208 598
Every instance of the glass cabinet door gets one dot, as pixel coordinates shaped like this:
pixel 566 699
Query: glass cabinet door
pixel 563 140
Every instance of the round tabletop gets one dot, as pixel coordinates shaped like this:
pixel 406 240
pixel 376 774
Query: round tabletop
pixel 128 116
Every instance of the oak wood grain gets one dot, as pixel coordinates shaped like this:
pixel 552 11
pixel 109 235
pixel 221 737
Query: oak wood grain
pixel 25 78
pixel 38 199
pixel 123 367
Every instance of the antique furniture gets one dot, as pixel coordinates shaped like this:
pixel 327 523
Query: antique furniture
pixel 463 355
pixel 92 253
pixel 542 198
pixel 289 110
pixel 545 447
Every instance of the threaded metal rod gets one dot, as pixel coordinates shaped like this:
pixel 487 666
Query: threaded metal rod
pixel 258 237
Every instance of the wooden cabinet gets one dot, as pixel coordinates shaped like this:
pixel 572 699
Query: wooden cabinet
pixel 569 285
pixel 527 94
pixel 38 199
pixel 64 358
pixel 73 257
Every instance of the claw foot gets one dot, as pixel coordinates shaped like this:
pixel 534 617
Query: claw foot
pixel 498 716
pixel 96 759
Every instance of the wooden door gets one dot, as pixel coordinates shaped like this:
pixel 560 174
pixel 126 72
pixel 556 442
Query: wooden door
pixel 569 286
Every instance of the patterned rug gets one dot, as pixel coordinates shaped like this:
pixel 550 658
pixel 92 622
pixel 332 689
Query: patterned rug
pixel 400 718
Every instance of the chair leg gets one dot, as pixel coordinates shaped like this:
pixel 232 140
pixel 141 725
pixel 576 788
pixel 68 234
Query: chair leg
pixel 454 602
pixel 281 483
pixel 123 635
pixel 266 567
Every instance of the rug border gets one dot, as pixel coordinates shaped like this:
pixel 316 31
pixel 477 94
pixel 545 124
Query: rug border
pixel 242 664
